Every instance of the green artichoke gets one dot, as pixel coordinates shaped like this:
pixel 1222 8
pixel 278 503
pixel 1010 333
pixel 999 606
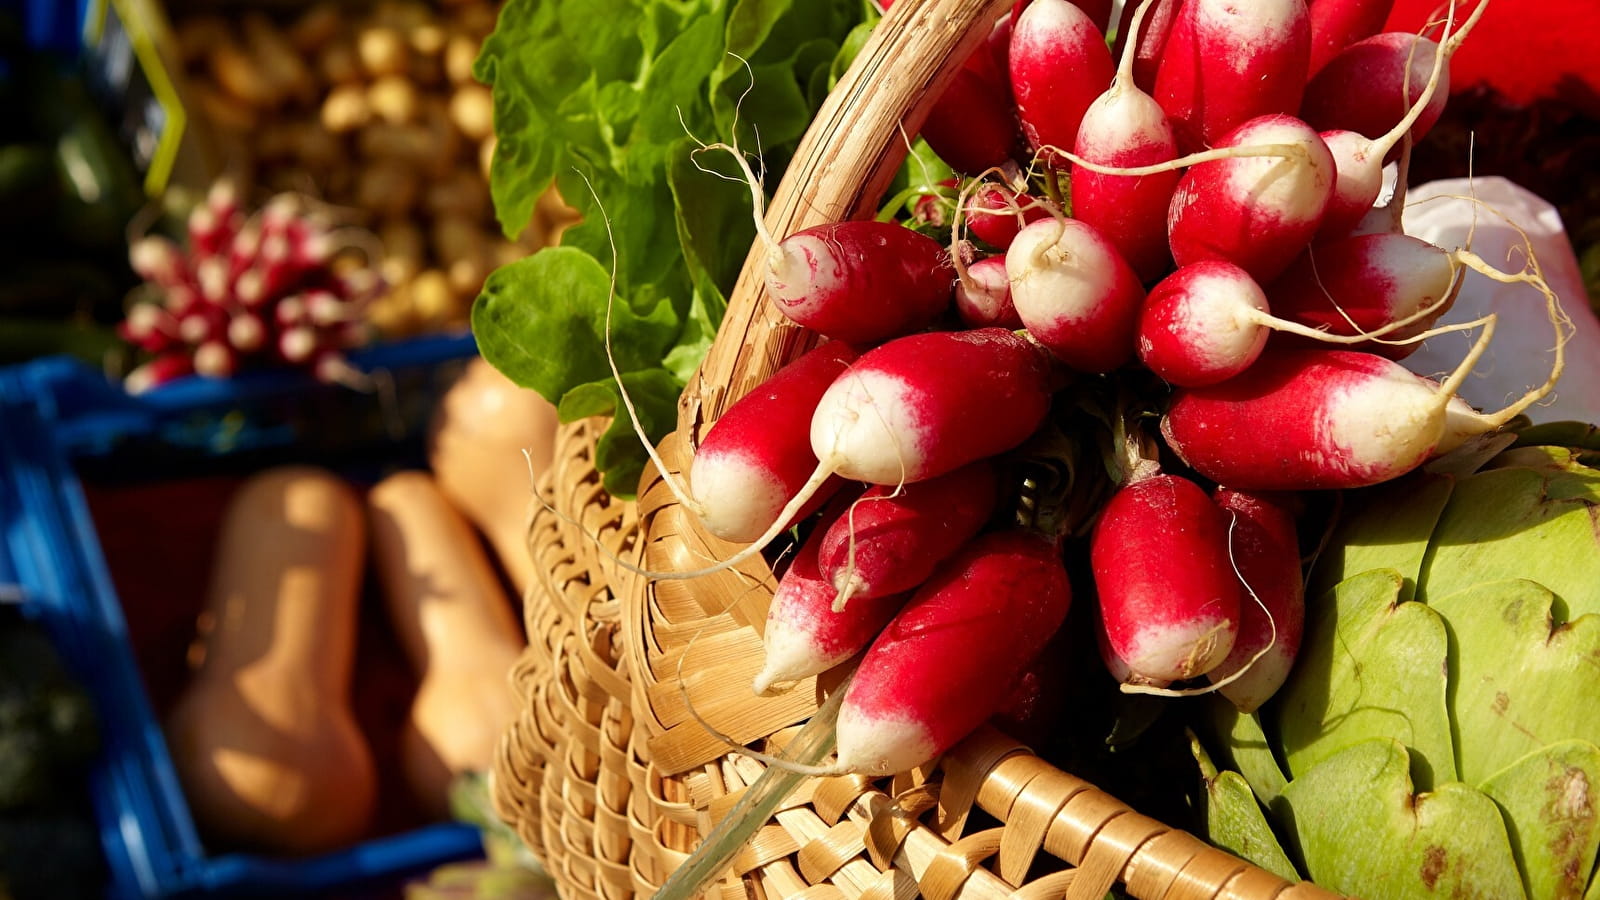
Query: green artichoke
pixel 1440 734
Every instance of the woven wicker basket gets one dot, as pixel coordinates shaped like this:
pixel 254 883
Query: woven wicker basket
pixel 606 775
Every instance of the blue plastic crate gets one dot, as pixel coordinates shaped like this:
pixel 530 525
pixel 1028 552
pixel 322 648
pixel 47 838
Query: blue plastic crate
pixel 59 418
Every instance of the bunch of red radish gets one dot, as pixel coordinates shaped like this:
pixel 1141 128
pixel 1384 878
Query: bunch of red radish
pixel 1223 252
pixel 246 291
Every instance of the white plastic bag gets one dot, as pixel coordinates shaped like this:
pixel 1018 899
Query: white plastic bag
pixel 1519 356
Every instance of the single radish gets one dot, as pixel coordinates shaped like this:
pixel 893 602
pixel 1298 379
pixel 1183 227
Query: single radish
pixel 1363 283
pixel 951 657
pixel 994 214
pixel 1169 600
pixel 805 633
pixel 858 281
pixel 891 539
pixel 861 281
pixel 756 457
pixel 927 404
pixel 1225 63
pixel 1151 41
pixel 1059 63
pixel 1257 212
pixel 1316 419
pixel 158 260
pixel 1265 549
pixel 1208 321
pixel 1127 127
pixel 1360 161
pixel 1075 293
pixel 983 295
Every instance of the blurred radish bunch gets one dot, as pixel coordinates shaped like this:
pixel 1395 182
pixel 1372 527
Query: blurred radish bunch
pixel 246 290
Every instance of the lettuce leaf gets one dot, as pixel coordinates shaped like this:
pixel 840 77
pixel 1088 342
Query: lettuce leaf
pixel 608 100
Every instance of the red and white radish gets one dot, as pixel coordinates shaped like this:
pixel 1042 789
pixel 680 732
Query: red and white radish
pixel 1208 321
pixel 1169 601
pixel 1255 211
pixel 1362 284
pixel 1059 63
pixel 805 634
pixel 890 540
pixel 952 656
pixel 1075 293
pixel 1225 63
pixel 756 457
pixel 983 295
pixel 1265 549
pixel 859 281
pixel 1126 127
pixel 1313 419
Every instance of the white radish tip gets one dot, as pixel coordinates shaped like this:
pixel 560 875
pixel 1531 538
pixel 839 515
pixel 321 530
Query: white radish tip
pixel 213 277
pixel 152 257
pixel 195 328
pixel 247 333
pixel 297 344
pixel 214 359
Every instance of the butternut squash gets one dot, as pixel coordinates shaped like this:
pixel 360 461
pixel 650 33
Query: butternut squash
pixel 263 738
pixel 477 437
pixel 453 620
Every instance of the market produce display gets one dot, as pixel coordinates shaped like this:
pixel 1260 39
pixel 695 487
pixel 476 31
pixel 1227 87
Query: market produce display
pixel 375 111
pixel 249 288
pixel 1161 457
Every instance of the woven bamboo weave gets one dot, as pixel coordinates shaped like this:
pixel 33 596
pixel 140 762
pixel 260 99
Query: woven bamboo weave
pixel 611 774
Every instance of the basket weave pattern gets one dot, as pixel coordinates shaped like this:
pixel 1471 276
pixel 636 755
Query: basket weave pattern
pixel 576 776
pixel 612 776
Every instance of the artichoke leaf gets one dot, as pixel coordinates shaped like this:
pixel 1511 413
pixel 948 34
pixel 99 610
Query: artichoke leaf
pixel 1362 831
pixel 1234 820
pixel 1532 516
pixel 1519 679
pixel 1384 527
pixel 1246 749
pixel 1370 666
pixel 1550 799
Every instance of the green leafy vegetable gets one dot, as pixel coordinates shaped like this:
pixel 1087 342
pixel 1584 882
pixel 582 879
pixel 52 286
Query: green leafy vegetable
pixel 607 100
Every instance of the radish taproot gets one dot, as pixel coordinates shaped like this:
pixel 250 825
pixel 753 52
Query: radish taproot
pixel 1059 63
pixel 1075 293
pixel 1225 63
pixel 1265 548
pixel 1169 602
pixel 756 457
pixel 891 539
pixel 950 659
pixel 1255 211
pixel 1127 127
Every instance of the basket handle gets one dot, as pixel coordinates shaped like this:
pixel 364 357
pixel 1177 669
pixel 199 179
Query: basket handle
pixel 841 168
